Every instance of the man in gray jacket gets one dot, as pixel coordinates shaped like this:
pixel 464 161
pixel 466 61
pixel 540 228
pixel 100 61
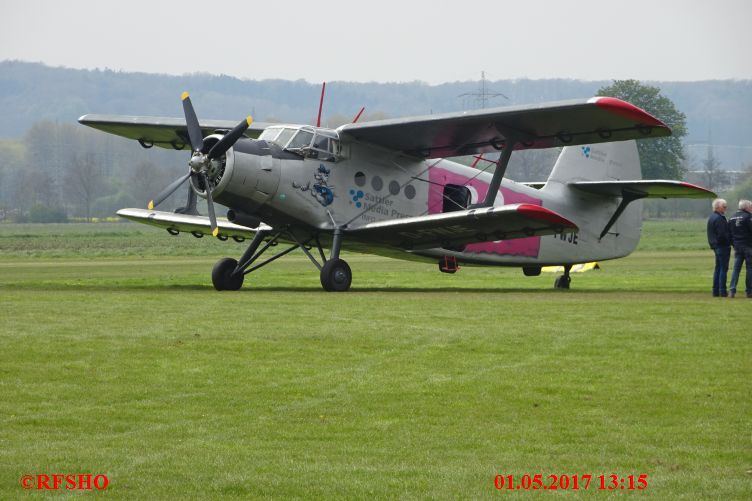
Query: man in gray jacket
pixel 740 226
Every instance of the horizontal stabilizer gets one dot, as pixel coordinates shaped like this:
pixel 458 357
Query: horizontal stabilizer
pixel 186 223
pixel 643 189
pixel 451 229
pixel 629 191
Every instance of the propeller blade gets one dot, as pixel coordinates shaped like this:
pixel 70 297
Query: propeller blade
pixel 168 191
pixel 210 206
pixel 229 139
pixel 191 121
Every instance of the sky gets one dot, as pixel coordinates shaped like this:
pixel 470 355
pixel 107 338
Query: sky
pixel 388 41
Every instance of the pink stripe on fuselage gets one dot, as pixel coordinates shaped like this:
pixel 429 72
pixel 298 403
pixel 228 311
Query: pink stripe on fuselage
pixel 439 177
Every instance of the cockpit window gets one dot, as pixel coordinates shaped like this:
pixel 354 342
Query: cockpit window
pixel 284 137
pixel 301 140
pixel 322 144
pixel 325 146
pixel 270 133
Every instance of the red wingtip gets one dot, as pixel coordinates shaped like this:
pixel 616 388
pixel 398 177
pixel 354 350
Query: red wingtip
pixel 628 110
pixel 538 212
pixel 696 187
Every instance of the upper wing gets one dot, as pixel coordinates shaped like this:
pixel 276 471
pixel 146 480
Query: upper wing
pixel 184 222
pixel 644 189
pixel 161 131
pixel 448 229
pixel 566 123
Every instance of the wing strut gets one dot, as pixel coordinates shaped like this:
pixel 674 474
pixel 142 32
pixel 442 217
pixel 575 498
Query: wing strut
pixel 501 168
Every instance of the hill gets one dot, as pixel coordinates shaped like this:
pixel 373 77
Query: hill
pixel 30 92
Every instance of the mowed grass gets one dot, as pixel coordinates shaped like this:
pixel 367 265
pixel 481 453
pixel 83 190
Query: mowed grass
pixel 119 358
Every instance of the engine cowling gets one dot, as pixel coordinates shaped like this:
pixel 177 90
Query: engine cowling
pixel 245 177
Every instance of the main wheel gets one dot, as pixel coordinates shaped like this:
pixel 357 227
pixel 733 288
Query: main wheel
pixel 223 278
pixel 336 276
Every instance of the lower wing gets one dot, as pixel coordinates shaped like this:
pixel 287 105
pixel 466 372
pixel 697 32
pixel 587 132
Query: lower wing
pixel 197 225
pixel 450 229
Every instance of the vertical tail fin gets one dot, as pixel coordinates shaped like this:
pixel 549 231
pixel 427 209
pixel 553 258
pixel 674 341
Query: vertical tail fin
pixel 598 162
pixel 618 161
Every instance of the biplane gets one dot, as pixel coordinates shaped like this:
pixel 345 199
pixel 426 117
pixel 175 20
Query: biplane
pixel 389 187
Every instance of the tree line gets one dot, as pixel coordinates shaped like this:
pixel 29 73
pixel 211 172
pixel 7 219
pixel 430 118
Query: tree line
pixel 58 171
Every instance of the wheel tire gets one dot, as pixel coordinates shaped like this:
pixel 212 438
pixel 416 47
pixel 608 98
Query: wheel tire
pixel 336 276
pixel 222 276
pixel 562 282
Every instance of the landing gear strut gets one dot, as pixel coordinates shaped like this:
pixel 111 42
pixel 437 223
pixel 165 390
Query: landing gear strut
pixel 563 281
pixel 335 273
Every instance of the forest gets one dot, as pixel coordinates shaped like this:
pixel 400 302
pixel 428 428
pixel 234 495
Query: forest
pixel 55 170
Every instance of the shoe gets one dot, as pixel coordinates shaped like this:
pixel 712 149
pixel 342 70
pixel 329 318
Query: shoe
pixel 724 294
pixel 749 295
pixel 732 294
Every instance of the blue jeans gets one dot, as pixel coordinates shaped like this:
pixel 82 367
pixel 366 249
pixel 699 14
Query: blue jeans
pixel 743 254
pixel 722 256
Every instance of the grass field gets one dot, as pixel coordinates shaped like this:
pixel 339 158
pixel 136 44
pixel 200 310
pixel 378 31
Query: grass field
pixel 120 359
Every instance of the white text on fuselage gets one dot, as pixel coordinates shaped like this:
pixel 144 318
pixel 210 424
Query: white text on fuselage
pixel 375 204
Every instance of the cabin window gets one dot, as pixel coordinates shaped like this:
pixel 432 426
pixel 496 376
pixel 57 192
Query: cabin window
pixel 456 197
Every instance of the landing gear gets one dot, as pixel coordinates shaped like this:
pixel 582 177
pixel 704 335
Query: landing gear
pixel 563 281
pixel 224 277
pixel 336 275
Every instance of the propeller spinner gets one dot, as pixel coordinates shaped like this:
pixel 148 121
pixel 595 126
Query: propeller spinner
pixel 201 159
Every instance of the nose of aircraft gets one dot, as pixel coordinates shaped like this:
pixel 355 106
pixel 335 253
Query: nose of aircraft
pixel 249 176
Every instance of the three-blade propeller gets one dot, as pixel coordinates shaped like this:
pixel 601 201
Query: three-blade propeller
pixel 201 159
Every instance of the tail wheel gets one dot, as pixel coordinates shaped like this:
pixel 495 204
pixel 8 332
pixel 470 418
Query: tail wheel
pixel 336 276
pixel 223 277
pixel 562 282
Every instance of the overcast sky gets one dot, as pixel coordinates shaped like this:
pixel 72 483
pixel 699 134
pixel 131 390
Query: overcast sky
pixel 388 41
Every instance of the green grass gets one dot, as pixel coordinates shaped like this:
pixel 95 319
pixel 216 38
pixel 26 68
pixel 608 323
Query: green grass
pixel 119 358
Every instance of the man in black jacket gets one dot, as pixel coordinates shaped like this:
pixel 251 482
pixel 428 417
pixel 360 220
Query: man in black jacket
pixel 720 241
pixel 740 225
